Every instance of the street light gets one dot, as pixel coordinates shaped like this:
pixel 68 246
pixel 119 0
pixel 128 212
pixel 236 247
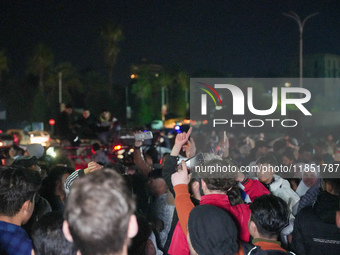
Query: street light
pixel 60 78
pixel 296 17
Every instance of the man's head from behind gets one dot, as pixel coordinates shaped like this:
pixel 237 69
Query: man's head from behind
pixel 219 175
pixel 18 187
pixel 48 237
pixel 269 215
pixel 99 214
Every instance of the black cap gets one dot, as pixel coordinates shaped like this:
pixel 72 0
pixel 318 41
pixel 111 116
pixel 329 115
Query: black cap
pixel 26 161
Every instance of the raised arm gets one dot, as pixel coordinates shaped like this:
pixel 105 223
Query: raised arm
pixel 180 181
pixel 171 160
pixel 143 167
pixel 91 167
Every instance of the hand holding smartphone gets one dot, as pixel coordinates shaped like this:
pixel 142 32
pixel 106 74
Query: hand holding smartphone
pixel 143 136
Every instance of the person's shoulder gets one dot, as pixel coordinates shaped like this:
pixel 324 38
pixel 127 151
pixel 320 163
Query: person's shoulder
pixel 13 234
pixel 305 213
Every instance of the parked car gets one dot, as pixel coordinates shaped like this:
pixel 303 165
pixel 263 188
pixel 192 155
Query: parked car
pixel 19 136
pixel 41 137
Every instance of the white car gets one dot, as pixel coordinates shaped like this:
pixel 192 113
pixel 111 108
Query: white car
pixel 20 136
pixel 41 137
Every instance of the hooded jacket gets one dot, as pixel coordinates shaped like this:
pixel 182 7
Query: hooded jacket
pixel 315 230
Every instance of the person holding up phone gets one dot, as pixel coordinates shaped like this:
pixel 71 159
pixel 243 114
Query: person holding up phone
pixel 144 163
pixel 218 191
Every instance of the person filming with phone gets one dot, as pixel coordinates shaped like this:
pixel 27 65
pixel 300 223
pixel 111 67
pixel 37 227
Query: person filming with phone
pixel 159 212
pixel 220 191
pixel 144 162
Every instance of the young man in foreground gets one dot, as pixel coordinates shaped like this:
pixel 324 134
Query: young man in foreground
pixel 99 215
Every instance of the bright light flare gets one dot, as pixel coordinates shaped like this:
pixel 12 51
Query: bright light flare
pixel 117 147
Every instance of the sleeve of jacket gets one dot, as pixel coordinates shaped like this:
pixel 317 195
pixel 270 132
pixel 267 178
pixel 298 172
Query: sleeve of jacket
pixel 69 181
pixel 183 205
pixel 168 169
pixel 139 161
pixel 297 242
pixel 254 188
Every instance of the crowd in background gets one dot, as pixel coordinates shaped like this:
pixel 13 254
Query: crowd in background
pixel 259 212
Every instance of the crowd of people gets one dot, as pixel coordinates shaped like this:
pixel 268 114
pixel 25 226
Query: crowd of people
pixel 174 207
pixel 105 127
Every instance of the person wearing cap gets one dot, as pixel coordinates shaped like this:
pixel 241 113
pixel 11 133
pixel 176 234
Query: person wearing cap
pixel 36 150
pixel 41 205
pixel 211 230
pixel 30 162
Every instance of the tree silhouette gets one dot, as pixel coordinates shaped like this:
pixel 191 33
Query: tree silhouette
pixel 111 35
pixel 151 91
pixel 39 63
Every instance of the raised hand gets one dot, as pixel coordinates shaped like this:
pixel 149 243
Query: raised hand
pixel 137 143
pixel 181 176
pixel 180 140
pixel 92 166
pixel 190 148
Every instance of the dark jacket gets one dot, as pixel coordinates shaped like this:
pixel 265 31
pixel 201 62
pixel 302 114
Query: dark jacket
pixel 41 207
pixel 315 230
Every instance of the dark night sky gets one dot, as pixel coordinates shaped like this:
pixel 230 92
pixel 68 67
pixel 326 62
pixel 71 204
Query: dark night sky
pixel 244 38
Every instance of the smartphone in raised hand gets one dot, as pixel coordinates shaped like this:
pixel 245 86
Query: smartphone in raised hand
pixel 143 136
